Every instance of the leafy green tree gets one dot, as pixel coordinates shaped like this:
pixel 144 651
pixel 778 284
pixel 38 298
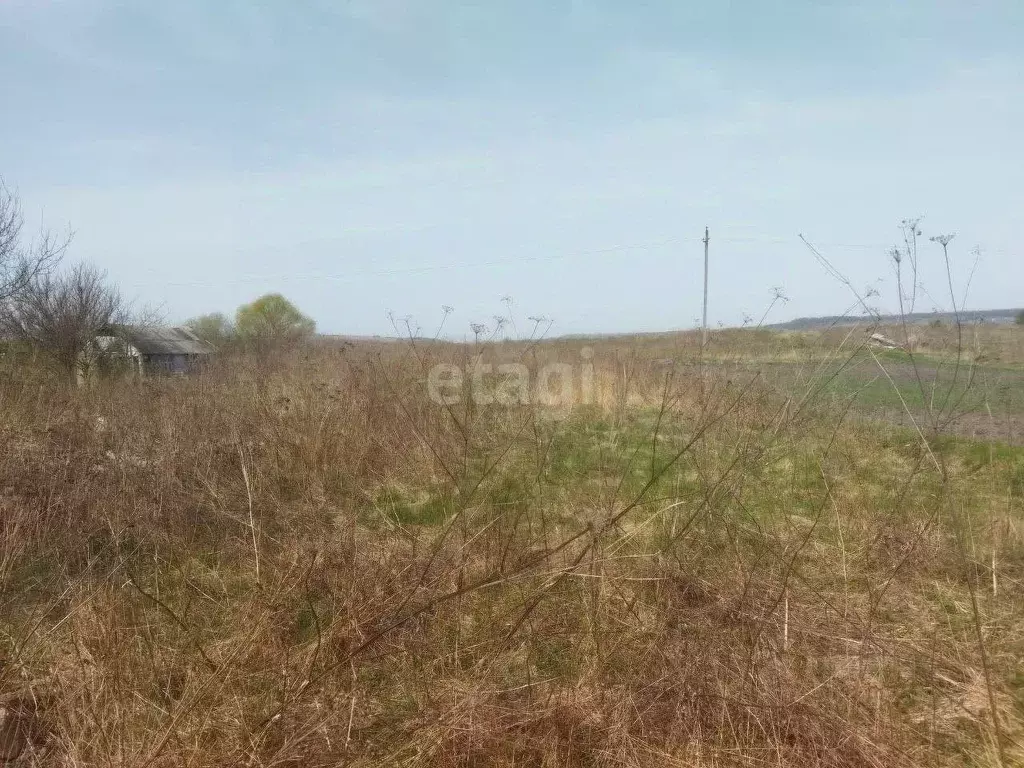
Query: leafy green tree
pixel 1020 317
pixel 272 319
pixel 215 328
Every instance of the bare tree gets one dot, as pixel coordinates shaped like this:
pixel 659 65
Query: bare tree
pixel 21 263
pixel 60 314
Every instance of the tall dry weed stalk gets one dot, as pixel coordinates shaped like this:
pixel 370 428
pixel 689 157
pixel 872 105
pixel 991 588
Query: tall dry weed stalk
pixel 306 561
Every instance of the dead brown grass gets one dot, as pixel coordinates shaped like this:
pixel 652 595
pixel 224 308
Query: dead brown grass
pixel 306 562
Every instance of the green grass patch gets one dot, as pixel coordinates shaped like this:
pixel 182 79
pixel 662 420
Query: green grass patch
pixel 408 508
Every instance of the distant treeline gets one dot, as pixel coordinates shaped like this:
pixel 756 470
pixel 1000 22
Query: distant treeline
pixel 999 316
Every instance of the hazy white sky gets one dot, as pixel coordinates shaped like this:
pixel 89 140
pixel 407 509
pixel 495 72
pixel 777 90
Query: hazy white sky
pixel 371 155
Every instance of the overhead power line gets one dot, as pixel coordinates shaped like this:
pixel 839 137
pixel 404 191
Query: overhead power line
pixel 362 272
pixel 414 269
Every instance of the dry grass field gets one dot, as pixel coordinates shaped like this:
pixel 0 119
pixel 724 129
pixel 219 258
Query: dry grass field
pixel 787 550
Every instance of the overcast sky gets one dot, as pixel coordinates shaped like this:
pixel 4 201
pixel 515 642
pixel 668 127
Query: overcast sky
pixel 377 155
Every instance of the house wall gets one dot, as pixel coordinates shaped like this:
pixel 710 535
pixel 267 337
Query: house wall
pixel 168 363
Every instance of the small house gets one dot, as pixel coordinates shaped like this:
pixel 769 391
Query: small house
pixel 155 349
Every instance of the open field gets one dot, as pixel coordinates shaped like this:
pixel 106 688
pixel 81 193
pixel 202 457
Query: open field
pixel 782 551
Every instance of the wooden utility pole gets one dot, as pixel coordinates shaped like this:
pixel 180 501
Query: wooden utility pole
pixel 704 323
